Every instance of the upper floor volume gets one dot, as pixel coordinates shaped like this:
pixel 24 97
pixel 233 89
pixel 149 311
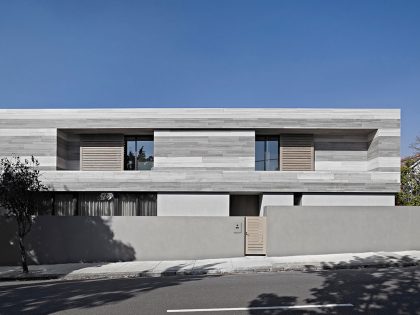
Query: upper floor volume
pixel 212 150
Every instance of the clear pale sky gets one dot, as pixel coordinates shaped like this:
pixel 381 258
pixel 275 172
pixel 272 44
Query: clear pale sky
pixel 179 53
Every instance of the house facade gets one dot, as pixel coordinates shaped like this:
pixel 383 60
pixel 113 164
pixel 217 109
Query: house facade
pixel 207 162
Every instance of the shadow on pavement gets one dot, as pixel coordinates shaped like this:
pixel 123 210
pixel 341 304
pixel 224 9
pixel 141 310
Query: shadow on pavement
pixel 50 297
pixel 370 290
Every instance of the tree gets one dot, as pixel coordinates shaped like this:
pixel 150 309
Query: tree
pixel 409 194
pixel 20 188
pixel 415 146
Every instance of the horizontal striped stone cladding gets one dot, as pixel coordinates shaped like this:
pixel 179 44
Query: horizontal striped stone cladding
pixel 61 151
pixel 201 118
pixel 68 151
pixel 73 152
pixel 224 181
pixel 384 146
pixel 40 142
pixel 384 151
pixel 204 149
pixel 341 152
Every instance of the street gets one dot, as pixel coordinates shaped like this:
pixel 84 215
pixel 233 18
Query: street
pixel 363 291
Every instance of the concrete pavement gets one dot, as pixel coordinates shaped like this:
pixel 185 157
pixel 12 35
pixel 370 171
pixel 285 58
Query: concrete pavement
pixel 248 264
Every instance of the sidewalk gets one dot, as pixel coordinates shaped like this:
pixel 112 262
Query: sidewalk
pixel 212 266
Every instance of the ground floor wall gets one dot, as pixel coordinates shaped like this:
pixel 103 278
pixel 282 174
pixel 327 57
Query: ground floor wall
pixel 131 203
pixel 321 199
pixel 192 204
pixel 326 230
pixel 275 200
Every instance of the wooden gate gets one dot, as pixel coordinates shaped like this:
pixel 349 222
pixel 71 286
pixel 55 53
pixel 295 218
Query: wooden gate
pixel 255 236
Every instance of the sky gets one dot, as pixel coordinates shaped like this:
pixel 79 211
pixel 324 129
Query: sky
pixel 199 53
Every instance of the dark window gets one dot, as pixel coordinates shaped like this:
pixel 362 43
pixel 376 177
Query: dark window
pixel 244 205
pixel 138 153
pixel 65 204
pixel 43 202
pixel 105 204
pixel 297 199
pixel 267 153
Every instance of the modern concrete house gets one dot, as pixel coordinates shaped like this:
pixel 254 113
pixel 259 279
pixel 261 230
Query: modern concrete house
pixel 208 183
pixel 208 162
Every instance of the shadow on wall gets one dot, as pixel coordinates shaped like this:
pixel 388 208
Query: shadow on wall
pixel 370 290
pixel 21 297
pixel 54 240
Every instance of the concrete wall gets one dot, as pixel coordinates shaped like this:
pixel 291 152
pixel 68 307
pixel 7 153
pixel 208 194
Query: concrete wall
pixel 201 118
pixel 290 231
pixel 192 204
pixel 275 200
pixel 96 239
pixel 341 152
pixel 39 142
pixel 348 200
pixel 68 151
pixel 384 150
pixel 324 230
pixel 214 150
pixel 183 180
pixel 207 157
pixel 198 149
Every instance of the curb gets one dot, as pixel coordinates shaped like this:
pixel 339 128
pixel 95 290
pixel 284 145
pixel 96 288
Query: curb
pixel 31 277
pixel 215 272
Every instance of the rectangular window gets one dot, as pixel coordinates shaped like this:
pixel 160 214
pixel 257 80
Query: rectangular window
pixel 43 202
pixel 138 155
pixel 65 204
pixel 267 153
pixel 97 204
pixel 105 204
pixel 142 204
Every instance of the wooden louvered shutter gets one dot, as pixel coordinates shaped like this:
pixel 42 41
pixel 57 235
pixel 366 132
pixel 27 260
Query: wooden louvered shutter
pixel 102 153
pixel 296 153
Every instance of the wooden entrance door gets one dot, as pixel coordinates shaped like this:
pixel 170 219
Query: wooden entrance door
pixel 255 236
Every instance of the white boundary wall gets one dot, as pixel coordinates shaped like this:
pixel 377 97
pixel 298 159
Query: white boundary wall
pixel 55 239
pixel 348 199
pixel 192 204
pixel 328 230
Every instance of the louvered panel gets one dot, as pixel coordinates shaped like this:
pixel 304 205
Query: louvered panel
pixel 296 153
pixel 102 153
pixel 255 238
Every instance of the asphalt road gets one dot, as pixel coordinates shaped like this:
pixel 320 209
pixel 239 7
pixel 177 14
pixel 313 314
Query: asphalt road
pixel 367 291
